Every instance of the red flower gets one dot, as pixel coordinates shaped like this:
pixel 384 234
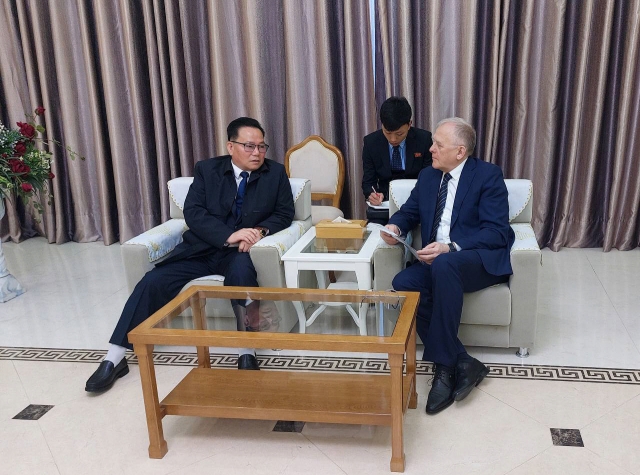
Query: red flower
pixel 51 176
pixel 39 110
pixel 26 187
pixel 27 130
pixel 19 167
pixel 20 149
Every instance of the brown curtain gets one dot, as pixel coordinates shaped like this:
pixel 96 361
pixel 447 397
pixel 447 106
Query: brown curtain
pixel 553 88
pixel 144 89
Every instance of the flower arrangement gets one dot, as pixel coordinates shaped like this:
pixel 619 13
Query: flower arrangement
pixel 25 160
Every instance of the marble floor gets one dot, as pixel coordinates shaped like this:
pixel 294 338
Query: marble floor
pixel 572 407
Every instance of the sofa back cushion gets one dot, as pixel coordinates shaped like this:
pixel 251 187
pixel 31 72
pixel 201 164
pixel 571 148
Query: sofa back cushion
pixel 520 197
pixel 300 189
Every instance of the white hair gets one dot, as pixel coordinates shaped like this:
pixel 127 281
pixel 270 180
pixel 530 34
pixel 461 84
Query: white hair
pixel 462 131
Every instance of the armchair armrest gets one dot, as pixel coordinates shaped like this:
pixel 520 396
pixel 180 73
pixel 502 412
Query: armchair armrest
pixel 140 253
pixel 526 260
pixel 388 260
pixel 266 254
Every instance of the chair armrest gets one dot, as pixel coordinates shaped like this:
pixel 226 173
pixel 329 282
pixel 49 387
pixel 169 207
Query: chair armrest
pixel 388 260
pixel 267 253
pixel 526 261
pixel 140 253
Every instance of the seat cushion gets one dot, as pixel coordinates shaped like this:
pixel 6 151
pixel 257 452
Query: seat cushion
pixel 490 306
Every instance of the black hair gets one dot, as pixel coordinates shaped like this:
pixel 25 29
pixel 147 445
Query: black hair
pixel 394 113
pixel 235 125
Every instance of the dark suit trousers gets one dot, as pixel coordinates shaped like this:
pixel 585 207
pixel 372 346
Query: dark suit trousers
pixel 441 286
pixel 164 282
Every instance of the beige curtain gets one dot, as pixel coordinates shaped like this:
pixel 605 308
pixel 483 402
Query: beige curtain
pixel 553 88
pixel 145 89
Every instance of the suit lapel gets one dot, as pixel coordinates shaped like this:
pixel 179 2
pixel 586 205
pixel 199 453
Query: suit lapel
pixel 409 150
pixel 468 172
pixel 383 154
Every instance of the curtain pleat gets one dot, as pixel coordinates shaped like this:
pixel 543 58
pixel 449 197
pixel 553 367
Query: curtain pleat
pixel 146 89
pixel 553 89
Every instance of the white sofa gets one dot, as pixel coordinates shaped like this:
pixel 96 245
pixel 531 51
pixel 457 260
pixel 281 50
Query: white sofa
pixel 142 252
pixel 504 315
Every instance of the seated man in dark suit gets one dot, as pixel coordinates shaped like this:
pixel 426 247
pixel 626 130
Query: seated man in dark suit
pixel 234 201
pixel 462 205
pixel 394 152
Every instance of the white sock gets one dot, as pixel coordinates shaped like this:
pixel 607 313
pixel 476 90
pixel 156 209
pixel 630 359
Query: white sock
pixel 246 351
pixel 115 354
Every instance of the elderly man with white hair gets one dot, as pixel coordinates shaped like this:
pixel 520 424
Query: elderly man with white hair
pixel 462 204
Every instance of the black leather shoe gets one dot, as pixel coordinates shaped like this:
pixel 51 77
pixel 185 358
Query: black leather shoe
pixel 469 373
pixel 441 394
pixel 106 375
pixel 247 362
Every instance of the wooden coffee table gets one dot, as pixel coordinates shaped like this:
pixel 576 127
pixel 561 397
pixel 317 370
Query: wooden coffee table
pixel 376 399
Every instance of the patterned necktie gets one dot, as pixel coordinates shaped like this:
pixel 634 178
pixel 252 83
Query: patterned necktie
pixel 442 199
pixel 396 161
pixel 240 197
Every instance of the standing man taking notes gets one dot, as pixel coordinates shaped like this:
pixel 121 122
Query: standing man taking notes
pixel 394 152
pixel 463 208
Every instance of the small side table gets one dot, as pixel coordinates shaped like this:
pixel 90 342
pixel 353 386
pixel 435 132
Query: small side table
pixel 305 254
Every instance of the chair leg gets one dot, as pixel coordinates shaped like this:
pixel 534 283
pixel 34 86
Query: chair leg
pixel 523 352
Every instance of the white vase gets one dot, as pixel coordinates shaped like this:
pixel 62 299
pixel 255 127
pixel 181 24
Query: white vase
pixel 9 286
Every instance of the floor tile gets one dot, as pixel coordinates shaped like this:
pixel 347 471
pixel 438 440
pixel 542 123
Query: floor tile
pixel 559 403
pixel 33 412
pixel 24 450
pixel 13 397
pixel 616 436
pixel 568 461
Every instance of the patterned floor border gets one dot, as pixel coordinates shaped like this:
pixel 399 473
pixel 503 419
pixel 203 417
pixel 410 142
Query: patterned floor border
pixel 333 364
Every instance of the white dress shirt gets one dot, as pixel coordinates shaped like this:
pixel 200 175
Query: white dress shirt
pixel 445 222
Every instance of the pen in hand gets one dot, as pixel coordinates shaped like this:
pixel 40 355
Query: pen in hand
pixel 376 193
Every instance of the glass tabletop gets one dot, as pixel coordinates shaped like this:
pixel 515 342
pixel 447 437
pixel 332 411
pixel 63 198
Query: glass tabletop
pixel 335 312
pixel 336 245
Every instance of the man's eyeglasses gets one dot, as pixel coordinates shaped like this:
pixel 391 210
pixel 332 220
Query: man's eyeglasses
pixel 250 147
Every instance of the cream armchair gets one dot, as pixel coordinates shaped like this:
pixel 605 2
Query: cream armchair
pixel 504 315
pixel 141 253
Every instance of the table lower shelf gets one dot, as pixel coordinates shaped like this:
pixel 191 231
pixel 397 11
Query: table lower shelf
pixel 285 395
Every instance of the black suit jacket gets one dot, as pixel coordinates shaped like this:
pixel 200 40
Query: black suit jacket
pixel 209 209
pixel 376 161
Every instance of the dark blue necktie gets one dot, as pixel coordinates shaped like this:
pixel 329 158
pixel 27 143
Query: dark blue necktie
pixel 240 197
pixel 442 199
pixel 396 160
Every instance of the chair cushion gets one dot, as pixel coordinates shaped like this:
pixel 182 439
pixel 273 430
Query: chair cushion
pixel 490 306
pixel 318 213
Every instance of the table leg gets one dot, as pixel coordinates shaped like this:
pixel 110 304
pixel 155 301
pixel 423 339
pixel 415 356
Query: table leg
pixel 411 366
pixel 397 447
pixel 199 322
pixel 157 444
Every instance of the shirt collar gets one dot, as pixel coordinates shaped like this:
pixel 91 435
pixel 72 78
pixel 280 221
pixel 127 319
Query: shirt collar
pixel 457 171
pixel 401 145
pixel 237 171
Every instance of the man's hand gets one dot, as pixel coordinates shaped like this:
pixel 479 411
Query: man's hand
pixel 245 238
pixel 376 199
pixel 389 239
pixel 431 251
